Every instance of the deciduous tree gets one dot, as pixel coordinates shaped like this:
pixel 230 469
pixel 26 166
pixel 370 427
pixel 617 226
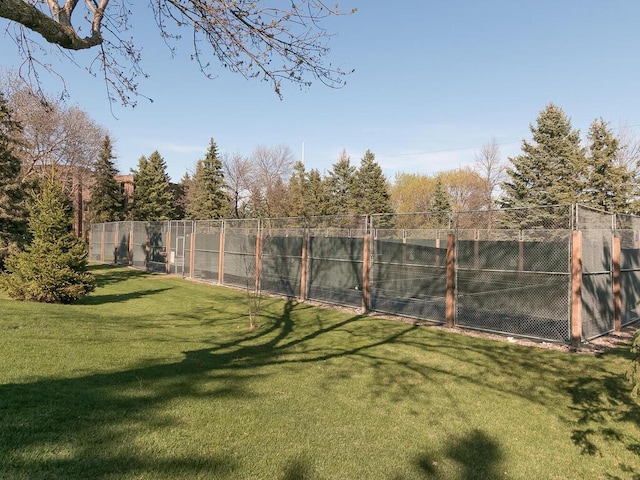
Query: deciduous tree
pixel 267 40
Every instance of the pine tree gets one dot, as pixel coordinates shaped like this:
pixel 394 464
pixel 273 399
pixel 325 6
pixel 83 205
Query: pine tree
pixel 340 182
pixel 609 185
pixel 53 267
pixel 371 187
pixel 206 198
pixel 550 171
pixel 13 223
pixel 153 199
pixel 108 200
pixel 440 205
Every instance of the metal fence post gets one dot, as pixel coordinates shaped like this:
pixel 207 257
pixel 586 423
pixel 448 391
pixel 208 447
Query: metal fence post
pixel 576 288
pixel 450 309
pixel 102 243
pixel 167 257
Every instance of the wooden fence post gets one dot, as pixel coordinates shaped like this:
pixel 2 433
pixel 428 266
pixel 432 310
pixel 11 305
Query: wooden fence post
pixel 167 257
pixel 221 257
pixel 303 265
pixel 450 301
pixel 576 288
pixel 366 271
pixel 617 298
pixel 258 259
pixel 192 257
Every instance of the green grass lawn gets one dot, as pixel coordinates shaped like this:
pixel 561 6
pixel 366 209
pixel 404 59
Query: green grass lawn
pixel 159 378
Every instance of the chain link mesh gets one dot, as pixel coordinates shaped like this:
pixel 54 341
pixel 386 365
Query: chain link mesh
pixel 512 267
pixel 628 229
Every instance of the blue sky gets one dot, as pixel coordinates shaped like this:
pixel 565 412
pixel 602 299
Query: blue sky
pixel 433 81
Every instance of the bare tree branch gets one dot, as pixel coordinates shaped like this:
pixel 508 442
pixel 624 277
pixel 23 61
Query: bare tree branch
pixel 257 39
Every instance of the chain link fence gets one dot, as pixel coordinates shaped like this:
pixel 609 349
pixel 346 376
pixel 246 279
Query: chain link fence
pixel 510 271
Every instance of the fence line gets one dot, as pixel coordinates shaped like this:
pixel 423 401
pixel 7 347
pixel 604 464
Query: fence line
pixel 562 273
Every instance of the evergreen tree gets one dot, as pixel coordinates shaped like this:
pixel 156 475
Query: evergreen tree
pixel 440 205
pixel 181 191
pixel 108 200
pixel 153 199
pixel 550 171
pixel 206 198
pixel 13 223
pixel 298 191
pixel 371 187
pixel 609 184
pixel 53 267
pixel 317 199
pixel 341 188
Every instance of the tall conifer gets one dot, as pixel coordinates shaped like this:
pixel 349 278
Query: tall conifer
pixel 153 199
pixel 107 202
pixel 205 196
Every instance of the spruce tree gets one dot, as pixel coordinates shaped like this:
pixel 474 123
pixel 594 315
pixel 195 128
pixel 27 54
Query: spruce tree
pixel 440 205
pixel 317 199
pixel 296 198
pixel 609 185
pixel 153 199
pixel 206 198
pixel 53 267
pixel 550 171
pixel 13 216
pixel 371 187
pixel 108 200
pixel 341 188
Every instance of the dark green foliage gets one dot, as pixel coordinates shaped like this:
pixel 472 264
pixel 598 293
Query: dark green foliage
pixel 153 198
pixel 13 223
pixel 371 187
pixel 550 171
pixel 205 196
pixel 341 188
pixel 316 197
pixel 609 185
pixel 440 204
pixel 53 268
pixel 298 191
pixel 108 200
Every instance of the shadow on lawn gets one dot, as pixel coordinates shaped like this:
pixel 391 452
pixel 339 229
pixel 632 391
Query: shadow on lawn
pixel 109 275
pixel 79 427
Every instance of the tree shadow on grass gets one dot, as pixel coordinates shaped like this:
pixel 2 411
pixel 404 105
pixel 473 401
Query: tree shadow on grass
pixel 108 275
pixel 476 456
pixel 82 427
pixel 600 403
pixel 115 298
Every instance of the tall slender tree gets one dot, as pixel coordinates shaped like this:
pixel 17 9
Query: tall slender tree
pixel 206 197
pixel 153 198
pixel 318 201
pixel 13 223
pixel 370 187
pixel 298 191
pixel 108 201
pixel 440 206
pixel 340 182
pixel 609 183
